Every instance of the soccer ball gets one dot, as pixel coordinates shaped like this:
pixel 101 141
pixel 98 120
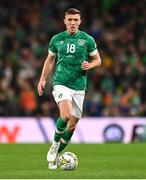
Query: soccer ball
pixel 68 161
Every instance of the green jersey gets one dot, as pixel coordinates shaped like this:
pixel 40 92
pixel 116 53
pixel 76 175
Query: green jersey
pixel 71 51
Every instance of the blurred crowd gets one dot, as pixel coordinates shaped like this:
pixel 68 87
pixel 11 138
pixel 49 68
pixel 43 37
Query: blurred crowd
pixel 117 88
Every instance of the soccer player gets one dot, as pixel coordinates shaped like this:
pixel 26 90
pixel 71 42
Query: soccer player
pixel 76 53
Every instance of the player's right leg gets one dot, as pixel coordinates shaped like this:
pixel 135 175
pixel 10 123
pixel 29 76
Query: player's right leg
pixel 65 113
pixel 60 127
pixel 77 106
pixel 53 151
pixel 66 137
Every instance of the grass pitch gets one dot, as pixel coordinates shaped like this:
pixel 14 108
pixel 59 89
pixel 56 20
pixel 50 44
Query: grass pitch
pixel 96 161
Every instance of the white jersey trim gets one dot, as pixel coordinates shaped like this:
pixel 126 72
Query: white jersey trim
pixel 93 52
pixel 51 53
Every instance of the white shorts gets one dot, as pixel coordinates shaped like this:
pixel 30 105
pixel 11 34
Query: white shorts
pixel 61 93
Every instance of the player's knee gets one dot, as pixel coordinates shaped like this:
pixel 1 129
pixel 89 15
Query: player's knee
pixel 66 116
pixel 71 127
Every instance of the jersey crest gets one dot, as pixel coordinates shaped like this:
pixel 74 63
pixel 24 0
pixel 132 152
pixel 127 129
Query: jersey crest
pixel 81 42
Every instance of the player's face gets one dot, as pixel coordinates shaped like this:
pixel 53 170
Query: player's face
pixel 72 22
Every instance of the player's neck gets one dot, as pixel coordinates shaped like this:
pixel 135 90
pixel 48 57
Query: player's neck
pixel 70 33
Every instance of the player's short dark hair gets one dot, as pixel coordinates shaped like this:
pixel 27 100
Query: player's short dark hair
pixel 72 11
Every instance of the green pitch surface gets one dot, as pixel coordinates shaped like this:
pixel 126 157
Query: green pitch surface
pixel 28 161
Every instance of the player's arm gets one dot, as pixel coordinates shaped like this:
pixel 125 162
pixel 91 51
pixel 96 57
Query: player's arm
pixel 48 65
pixel 95 61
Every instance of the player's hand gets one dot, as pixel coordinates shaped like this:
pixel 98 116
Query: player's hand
pixel 41 86
pixel 85 65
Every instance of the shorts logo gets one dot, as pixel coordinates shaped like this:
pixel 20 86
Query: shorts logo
pixel 60 95
pixel 81 42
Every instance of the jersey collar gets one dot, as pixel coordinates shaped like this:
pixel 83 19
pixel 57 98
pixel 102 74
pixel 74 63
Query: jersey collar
pixel 73 35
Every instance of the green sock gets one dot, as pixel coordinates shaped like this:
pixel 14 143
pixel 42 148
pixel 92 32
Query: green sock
pixel 66 137
pixel 60 127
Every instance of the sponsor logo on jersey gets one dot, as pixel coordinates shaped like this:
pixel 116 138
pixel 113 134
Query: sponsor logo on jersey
pixel 81 42
pixel 61 42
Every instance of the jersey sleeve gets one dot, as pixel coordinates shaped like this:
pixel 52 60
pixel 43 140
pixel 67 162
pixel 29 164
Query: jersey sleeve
pixel 52 47
pixel 92 47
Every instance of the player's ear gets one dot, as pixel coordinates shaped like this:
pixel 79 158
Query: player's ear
pixel 64 21
pixel 80 21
